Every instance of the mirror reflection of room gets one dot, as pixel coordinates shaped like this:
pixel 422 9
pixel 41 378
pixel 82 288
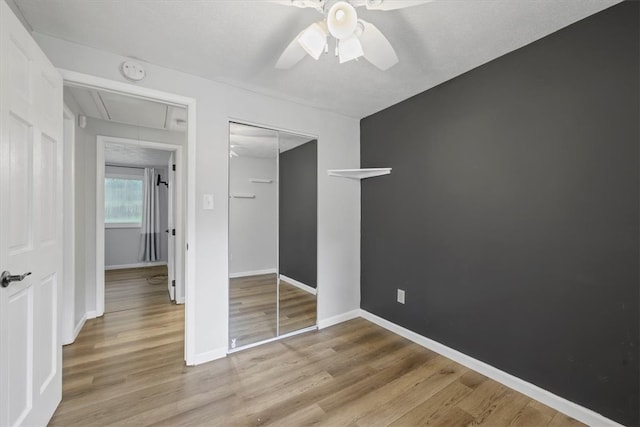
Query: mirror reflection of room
pixel 272 234
pixel 253 249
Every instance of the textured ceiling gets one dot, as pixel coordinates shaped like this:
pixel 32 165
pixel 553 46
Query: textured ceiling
pixel 132 111
pixel 129 110
pixel 131 155
pixel 239 42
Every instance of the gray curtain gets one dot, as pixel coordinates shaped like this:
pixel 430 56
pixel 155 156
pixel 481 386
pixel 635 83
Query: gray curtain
pixel 150 231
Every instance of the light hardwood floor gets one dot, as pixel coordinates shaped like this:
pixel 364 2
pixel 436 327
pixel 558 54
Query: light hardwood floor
pixel 253 309
pixel 128 369
pixel 130 288
pixel 297 308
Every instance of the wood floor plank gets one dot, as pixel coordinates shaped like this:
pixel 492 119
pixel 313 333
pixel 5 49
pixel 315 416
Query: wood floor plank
pixel 502 411
pixel 562 420
pixel 127 368
pixel 297 308
pixel 529 416
pixel 472 379
pixel 485 398
pixel 401 386
pixel 453 417
pixel 424 389
pixel 351 393
pixel 542 408
pixel 253 306
pixel 309 415
pixel 434 409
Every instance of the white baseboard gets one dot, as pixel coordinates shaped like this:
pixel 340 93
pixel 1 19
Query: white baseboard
pixel 92 314
pixel 252 273
pixel 136 265
pixel 79 327
pixel 556 402
pixel 209 356
pixel 76 331
pixel 334 320
pixel 299 285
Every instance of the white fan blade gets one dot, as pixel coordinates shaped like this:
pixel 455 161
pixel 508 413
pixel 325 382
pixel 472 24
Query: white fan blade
pixel 315 4
pixel 388 4
pixel 377 48
pixel 291 55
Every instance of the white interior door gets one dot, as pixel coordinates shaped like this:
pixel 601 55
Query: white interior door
pixel 171 240
pixel 30 227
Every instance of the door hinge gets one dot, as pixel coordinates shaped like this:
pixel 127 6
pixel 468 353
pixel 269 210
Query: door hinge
pixel 173 232
pixel 174 167
pixel 173 283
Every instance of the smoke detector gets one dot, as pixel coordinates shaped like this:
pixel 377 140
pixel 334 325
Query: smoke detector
pixel 132 71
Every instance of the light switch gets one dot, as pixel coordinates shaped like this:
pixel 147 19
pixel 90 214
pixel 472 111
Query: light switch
pixel 401 296
pixel 207 202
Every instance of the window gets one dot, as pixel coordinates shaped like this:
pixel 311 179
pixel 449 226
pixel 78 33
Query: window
pixel 123 201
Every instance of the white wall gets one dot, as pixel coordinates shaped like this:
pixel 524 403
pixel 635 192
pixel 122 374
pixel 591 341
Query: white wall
pixel 80 303
pixel 121 245
pixel 253 223
pixel 217 103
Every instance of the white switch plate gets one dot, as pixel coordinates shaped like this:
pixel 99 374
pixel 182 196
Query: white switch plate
pixel 207 202
pixel 400 296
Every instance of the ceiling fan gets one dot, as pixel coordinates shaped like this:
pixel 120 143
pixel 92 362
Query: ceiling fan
pixel 354 37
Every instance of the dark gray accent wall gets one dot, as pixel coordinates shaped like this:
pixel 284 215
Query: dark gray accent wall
pixel 298 213
pixel 511 217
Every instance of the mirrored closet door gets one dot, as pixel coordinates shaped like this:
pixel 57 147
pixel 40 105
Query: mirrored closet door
pixel 272 234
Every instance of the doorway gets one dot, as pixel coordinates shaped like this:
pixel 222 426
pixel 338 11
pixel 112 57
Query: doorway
pixel 183 221
pixel 139 211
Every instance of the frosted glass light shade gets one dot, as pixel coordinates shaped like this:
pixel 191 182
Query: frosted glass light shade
pixel 314 39
pixel 349 49
pixel 342 20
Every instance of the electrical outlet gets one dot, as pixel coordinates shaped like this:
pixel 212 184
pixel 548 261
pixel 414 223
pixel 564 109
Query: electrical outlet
pixel 400 296
pixel 233 343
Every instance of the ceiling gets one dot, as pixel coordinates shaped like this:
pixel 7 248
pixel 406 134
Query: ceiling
pixel 253 141
pixel 239 42
pixel 133 111
pixel 129 110
pixel 131 155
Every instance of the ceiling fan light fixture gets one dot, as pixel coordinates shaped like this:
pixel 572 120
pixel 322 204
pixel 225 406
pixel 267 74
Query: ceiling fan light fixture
pixel 342 20
pixel 349 49
pixel 314 39
pixel 354 38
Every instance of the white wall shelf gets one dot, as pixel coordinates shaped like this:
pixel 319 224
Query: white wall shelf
pixel 359 173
